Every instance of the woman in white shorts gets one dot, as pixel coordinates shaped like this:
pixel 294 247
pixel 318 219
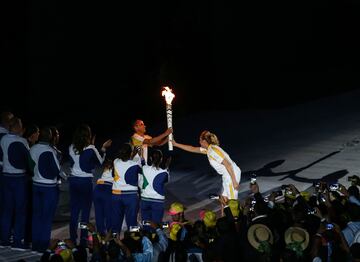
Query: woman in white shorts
pixel 220 161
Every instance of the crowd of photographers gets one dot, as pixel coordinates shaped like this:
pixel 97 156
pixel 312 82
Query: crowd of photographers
pixel 286 225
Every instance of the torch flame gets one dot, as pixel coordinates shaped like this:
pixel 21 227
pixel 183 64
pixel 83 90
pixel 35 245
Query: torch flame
pixel 169 95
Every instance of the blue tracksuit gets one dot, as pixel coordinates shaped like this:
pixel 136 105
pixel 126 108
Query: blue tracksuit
pixel 152 183
pixel 125 197
pixel 3 131
pixel 45 193
pixel 81 187
pixel 102 201
pixel 15 151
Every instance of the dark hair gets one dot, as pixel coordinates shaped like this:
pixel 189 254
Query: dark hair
pixel 54 132
pixel 113 249
pixel 5 118
pixel 125 152
pixel 81 138
pixel 156 158
pixel 80 254
pixel 15 123
pixel 30 130
pixel 45 135
pixel 56 258
pixel 223 226
pixel 134 246
pixel 353 191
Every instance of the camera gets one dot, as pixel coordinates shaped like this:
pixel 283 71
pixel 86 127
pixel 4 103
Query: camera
pixel 284 187
pixel 252 205
pixel 83 225
pixel 334 187
pixel 214 196
pixel 145 223
pixel 329 226
pixel 278 193
pixel 61 243
pixel 311 212
pixel 253 179
pixel 165 225
pixel 322 198
pixel 316 185
pixel 134 229
pixel 114 235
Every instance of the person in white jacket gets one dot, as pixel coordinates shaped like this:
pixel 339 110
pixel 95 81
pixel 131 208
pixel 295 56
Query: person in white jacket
pixel 152 184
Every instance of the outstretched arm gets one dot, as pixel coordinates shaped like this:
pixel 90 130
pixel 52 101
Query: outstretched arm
pixel 158 139
pixel 189 148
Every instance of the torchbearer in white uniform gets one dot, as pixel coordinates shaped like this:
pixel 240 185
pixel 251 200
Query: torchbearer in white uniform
pixel 220 161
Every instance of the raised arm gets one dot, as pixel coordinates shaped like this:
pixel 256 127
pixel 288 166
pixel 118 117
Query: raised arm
pixel 189 148
pixel 158 139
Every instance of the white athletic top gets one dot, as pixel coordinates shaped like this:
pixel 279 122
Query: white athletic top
pixel 216 155
pixel 137 140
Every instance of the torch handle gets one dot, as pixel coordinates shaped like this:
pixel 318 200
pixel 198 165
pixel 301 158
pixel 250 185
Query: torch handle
pixel 169 124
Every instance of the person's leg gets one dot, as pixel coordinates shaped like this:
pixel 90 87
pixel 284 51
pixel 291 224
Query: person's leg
pixel 107 206
pixel 99 210
pixel 117 213
pixel 20 211
pixel 50 201
pixel 157 211
pixel 36 217
pixel 87 197
pixel 29 207
pixel 8 209
pixel 227 192
pixel 131 208
pixel 75 206
pixel 145 208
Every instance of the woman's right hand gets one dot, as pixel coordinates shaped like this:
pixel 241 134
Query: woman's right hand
pixel 168 131
pixel 106 145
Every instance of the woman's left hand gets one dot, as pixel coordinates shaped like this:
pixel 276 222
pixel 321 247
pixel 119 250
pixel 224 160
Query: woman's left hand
pixel 236 186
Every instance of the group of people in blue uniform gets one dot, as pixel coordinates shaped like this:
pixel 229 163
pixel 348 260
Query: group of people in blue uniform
pixel 130 182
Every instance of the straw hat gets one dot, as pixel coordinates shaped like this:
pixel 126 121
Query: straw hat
pixel 305 195
pixel 176 208
pixel 297 235
pixel 258 234
pixel 210 218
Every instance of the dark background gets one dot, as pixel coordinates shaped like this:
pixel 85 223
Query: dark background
pixel 66 62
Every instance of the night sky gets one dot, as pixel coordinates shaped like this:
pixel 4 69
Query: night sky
pixel 104 63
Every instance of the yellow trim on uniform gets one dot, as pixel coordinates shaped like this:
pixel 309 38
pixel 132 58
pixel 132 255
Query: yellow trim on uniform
pixel 232 196
pixel 116 175
pixel 116 191
pixel 212 158
pixel 217 151
pixel 136 142
pixel 100 182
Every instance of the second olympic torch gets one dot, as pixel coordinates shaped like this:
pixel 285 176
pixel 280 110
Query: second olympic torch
pixel 169 96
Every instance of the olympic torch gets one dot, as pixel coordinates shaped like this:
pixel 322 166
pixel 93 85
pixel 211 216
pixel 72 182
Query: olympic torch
pixel 169 96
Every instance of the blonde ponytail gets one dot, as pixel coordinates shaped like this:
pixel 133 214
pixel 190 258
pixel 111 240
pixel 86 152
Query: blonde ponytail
pixel 209 137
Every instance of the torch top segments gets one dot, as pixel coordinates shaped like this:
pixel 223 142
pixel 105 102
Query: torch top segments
pixel 169 95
